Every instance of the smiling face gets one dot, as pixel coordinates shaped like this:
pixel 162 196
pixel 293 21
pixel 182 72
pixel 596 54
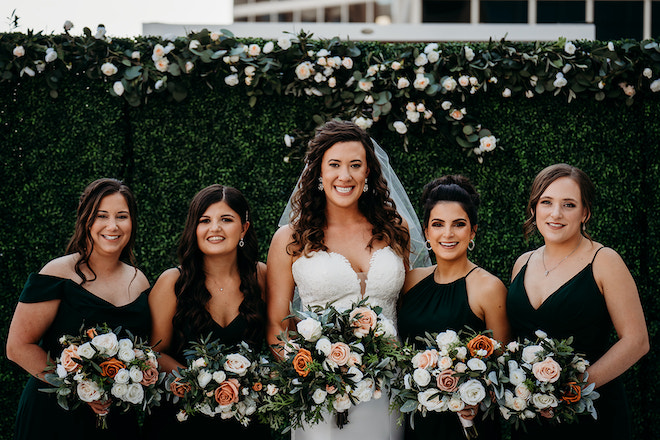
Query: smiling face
pixel 344 171
pixel 111 230
pixel 219 230
pixel 559 212
pixel 449 231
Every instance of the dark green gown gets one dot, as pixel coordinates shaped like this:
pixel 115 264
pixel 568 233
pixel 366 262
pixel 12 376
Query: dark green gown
pixel 163 424
pixel 576 309
pixel 432 307
pixel 39 416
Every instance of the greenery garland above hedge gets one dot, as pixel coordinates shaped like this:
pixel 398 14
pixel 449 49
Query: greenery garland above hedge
pixel 405 86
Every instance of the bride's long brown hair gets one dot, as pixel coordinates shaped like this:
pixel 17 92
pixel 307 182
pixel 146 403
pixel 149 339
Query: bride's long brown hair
pixel 308 204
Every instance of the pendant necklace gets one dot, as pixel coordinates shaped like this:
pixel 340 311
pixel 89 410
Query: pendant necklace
pixel 547 271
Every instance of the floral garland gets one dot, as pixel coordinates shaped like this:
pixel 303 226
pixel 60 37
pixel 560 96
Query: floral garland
pixel 404 86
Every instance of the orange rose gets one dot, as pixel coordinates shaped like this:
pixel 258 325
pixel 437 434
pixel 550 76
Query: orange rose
pixel 257 386
pixel 481 342
pixel 149 377
pixel 67 359
pixel 179 388
pixel 301 362
pixel 91 333
pixel 227 392
pixel 572 394
pixel 111 367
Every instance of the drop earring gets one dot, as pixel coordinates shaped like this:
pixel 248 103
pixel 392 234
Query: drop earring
pixel 320 187
pixel 366 185
pixel 471 245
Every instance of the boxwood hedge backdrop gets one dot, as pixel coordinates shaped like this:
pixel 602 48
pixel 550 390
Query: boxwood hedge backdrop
pixel 51 148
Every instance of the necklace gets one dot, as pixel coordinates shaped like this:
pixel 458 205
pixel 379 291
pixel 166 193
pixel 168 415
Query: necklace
pixel 547 271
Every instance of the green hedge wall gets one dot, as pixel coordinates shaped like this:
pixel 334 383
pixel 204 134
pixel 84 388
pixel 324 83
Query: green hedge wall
pixel 52 148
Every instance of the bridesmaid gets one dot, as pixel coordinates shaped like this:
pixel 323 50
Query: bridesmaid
pixel 574 286
pixel 218 288
pixel 96 282
pixel 452 294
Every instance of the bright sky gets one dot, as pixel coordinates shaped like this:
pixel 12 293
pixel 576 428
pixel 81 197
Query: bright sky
pixel 122 18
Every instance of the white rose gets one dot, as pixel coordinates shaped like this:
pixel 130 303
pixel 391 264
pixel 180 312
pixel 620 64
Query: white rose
pixel 61 371
pixel 365 84
pixel 518 404
pixel 363 123
pixel 271 389
pixel 506 93
pixel 319 396
pixel 396 65
pixel 341 403
pixel 559 81
pixel 237 363
pixel 580 364
pixel 219 376
pixel 354 359
pixel 455 404
pixel 422 376
pixel 469 53
pixel 304 70
pixel 347 63
pixel 610 46
pixel 254 50
pixel 448 337
pixel 517 376
pixel 543 401
pixel 433 56
pixel 569 48
pixel 125 354
pixel 135 394
pixel 472 392
pixel 162 65
pixel 487 143
pixel 332 82
pixel 355 373
pixel 122 376
pixel 449 84
pixel 402 83
pixel 284 42
pixel 194 44
pixel 268 47
pixel 445 362
pixel 541 334
pixel 100 32
pixel 86 351
pixel 464 80
pixel 412 116
pixel 231 80
pixel 508 398
pixel 385 327
pixel 108 69
pixel 119 390
pixel 324 346
pixel 198 363
pixel 461 352
pixel 364 390
pixel 204 378
pixel 125 343
pixel 106 343
pixel 421 82
pixel 433 403
pixel 446 105
pixel 181 416
pixel 51 55
pixel 159 84
pixel 476 364
pixel 460 367
pixel 528 414
pixel 421 60
pixel 136 374
pixel 400 127
pixel 530 353
pixel 310 329
pixel 648 73
pixel 135 55
pixel 88 391
pixel 655 86
pixel 68 25
pixel 522 391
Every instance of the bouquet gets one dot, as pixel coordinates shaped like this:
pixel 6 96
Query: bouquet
pixel 336 359
pixel 544 379
pixel 97 366
pixel 220 381
pixel 452 372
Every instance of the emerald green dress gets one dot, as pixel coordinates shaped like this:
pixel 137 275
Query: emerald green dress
pixel 576 309
pixel 39 416
pixel 432 307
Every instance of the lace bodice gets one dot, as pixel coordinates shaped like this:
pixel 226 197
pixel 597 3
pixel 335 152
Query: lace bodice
pixel 327 277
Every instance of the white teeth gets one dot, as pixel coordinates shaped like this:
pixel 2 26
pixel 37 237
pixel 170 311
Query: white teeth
pixel 555 225
pixel 343 189
pixel 215 239
pixel 448 244
pixel 111 237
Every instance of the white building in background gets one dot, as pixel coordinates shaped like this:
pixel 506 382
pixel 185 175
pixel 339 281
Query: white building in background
pixel 436 20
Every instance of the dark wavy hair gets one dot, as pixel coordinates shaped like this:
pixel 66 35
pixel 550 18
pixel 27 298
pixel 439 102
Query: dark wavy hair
pixel 191 315
pixel 308 204
pixel 88 206
pixel 544 179
pixel 455 188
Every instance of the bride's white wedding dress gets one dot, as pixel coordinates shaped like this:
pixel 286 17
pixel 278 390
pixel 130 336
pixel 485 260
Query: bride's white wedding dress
pixel 327 277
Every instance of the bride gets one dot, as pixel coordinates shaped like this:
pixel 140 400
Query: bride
pixel 345 240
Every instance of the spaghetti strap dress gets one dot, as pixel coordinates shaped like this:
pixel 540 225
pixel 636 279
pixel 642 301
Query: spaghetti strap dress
pixel 162 424
pixel 39 416
pixel 433 308
pixel 576 309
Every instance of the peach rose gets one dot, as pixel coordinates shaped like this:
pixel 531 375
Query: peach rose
pixel 447 381
pixel 481 342
pixel 149 377
pixel 547 370
pixel 67 358
pixel 330 389
pixel 426 359
pixel 111 367
pixel 339 353
pixel 363 320
pixel 227 392
pixel 301 362
pixel 179 388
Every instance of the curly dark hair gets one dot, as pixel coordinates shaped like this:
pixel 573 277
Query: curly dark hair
pixel 544 179
pixel 308 205
pixel 191 316
pixel 454 188
pixel 88 206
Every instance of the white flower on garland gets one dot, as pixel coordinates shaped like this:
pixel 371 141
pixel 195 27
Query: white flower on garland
pixel 304 70
pixel 469 53
pixel 421 60
pixel 51 55
pixel 403 83
pixel 449 84
pixel 421 81
pixel 655 86
pixel 18 51
pixel 231 80
pixel 365 85
pixel 254 50
pixel 559 81
pixel 268 47
pixel 400 127
pixel 108 69
pixel 284 42
pixel 68 25
pixel 569 48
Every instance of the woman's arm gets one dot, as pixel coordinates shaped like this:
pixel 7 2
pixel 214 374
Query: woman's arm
pixel 487 298
pixel 162 303
pixel 625 309
pixel 279 285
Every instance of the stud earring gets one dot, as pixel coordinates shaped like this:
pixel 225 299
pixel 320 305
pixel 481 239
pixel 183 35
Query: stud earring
pixel 320 187
pixel 366 185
